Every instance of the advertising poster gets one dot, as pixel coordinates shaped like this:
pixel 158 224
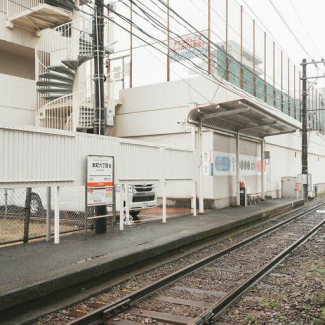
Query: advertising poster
pixel 217 163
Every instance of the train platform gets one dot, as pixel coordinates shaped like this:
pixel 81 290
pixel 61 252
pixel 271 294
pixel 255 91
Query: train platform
pixel 40 268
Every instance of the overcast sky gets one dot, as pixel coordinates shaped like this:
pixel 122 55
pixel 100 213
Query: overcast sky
pixel 311 13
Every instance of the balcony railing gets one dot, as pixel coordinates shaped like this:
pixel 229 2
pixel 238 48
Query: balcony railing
pixel 3 6
pixel 16 7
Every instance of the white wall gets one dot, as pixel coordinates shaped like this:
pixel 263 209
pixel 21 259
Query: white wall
pixel 17 100
pixel 159 109
pixel 16 35
pixel 155 113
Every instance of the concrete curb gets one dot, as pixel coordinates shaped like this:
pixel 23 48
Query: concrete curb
pixel 20 292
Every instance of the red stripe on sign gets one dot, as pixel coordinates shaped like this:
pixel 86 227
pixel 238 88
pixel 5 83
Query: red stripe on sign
pixel 100 184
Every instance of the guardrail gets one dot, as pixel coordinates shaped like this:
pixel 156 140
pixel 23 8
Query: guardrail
pixel 15 7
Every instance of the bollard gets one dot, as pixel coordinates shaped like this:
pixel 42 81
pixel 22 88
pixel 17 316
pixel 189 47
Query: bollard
pixel 27 215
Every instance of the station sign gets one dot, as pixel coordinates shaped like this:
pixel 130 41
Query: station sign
pixel 100 180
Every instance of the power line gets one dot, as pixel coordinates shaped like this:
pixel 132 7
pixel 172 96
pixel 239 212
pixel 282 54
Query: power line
pixel 288 27
pixel 252 86
pixel 291 31
pixel 303 25
pixel 219 82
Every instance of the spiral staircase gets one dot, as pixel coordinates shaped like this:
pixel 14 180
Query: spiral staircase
pixel 63 59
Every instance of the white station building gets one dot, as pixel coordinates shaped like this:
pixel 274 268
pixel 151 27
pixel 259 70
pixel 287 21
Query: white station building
pixel 232 96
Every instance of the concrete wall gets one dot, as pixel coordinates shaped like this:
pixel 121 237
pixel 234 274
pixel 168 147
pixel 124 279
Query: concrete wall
pixel 17 100
pixel 18 66
pixel 16 36
pixel 160 109
pixel 17 74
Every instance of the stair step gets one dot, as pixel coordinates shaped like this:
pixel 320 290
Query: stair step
pixel 67 4
pixel 50 98
pixel 54 91
pixel 53 84
pixel 62 69
pixel 51 75
pixel 72 64
pixel 84 58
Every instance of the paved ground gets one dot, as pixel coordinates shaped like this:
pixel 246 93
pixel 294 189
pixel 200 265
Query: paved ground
pixel 23 265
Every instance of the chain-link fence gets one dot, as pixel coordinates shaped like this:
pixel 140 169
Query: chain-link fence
pixel 16 222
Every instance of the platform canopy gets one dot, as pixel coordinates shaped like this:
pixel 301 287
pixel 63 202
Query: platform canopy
pixel 243 116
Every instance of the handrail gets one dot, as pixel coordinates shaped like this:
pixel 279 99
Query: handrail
pixel 18 6
pixel 64 27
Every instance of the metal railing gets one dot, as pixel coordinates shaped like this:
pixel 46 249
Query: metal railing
pixel 76 110
pixel 16 7
pixel 3 6
pixel 70 41
pixel 64 113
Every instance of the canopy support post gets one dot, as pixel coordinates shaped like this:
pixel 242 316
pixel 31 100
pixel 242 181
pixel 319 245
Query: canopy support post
pixel 262 170
pixel 237 171
pixel 201 201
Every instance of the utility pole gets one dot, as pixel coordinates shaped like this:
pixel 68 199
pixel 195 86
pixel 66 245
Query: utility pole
pixel 98 33
pixel 304 148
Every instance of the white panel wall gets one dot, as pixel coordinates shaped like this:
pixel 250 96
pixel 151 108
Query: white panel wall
pixel 161 108
pixel 33 156
pixel 17 100
pixel 40 156
pixel 16 35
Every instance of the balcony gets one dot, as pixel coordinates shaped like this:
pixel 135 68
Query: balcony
pixel 37 14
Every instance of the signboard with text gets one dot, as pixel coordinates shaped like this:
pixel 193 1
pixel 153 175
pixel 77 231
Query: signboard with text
pixel 100 180
pixel 189 47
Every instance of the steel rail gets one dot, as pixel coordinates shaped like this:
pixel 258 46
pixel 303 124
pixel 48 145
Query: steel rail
pixel 215 311
pixel 104 313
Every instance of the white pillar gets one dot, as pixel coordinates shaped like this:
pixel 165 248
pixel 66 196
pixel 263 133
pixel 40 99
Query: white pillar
pixel 164 203
pixel 56 214
pixel 194 199
pixel 201 201
pixel 48 213
pixel 262 170
pixel 127 208
pixel 237 170
pixel 121 207
pixel 193 141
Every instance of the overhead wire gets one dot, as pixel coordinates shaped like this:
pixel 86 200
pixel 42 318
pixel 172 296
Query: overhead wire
pixel 74 7
pixel 219 82
pixel 303 25
pixel 292 33
pixel 230 72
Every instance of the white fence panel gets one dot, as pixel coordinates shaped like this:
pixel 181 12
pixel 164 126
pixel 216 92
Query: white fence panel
pixel 31 156
pixel 139 162
pixel 179 164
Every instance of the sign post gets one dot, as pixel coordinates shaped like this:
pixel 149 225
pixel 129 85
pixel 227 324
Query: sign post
pixel 100 187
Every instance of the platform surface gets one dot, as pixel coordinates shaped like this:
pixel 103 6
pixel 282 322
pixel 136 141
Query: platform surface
pixel 25 265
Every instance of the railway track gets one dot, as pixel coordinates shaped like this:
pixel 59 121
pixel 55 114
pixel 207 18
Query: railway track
pixel 199 293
